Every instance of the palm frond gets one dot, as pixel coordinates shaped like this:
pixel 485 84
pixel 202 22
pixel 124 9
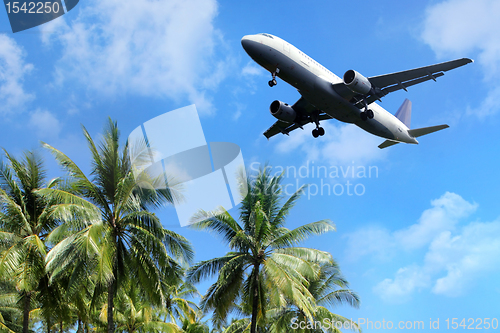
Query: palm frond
pixel 341 297
pixel 220 223
pixel 210 267
pixel 81 184
pixel 301 233
pixel 307 254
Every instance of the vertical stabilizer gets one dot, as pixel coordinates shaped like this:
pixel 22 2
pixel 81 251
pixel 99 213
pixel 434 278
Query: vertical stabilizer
pixel 404 113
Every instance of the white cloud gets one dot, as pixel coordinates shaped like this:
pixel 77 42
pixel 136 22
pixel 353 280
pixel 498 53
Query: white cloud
pixel 455 256
pixel 45 124
pixel 465 257
pixel 349 143
pixel 452 264
pixel 459 27
pixel 13 69
pixel 382 243
pixel 251 69
pixel 444 215
pixel 144 47
pixel 342 144
pixel 399 289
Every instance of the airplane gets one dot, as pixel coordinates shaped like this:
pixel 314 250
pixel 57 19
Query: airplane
pixel 350 99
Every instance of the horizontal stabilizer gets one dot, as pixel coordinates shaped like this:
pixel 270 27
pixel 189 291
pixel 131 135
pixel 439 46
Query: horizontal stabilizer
pixel 426 130
pixel 387 143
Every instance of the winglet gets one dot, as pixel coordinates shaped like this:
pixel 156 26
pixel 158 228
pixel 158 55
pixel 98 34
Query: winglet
pixel 404 113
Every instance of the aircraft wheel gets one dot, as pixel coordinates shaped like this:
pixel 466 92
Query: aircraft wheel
pixel 271 83
pixel 321 131
pixel 363 116
pixel 315 132
pixel 369 114
pixel 274 82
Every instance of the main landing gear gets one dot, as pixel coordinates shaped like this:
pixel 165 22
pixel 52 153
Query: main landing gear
pixel 320 131
pixel 273 82
pixel 367 114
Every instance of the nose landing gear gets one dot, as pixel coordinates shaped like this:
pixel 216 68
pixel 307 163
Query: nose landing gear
pixel 273 82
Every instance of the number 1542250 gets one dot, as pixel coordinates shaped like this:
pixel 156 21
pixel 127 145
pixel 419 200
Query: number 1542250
pixel 32 7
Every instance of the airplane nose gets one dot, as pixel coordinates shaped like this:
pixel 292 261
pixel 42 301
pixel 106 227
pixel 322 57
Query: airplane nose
pixel 250 45
pixel 245 42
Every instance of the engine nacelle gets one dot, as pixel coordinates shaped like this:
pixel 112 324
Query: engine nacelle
pixel 357 82
pixel 283 111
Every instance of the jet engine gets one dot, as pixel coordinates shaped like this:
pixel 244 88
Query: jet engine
pixel 283 111
pixel 357 82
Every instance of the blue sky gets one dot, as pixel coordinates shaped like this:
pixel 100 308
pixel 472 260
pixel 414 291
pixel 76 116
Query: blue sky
pixel 422 240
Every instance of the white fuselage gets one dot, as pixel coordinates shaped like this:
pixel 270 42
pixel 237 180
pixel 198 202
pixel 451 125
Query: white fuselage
pixel 314 82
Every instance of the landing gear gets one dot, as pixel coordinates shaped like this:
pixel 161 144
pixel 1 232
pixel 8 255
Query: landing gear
pixel 320 131
pixel 273 82
pixel 368 114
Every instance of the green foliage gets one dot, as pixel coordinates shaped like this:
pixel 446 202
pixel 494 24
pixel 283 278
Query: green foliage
pixel 25 220
pixel 108 230
pixel 87 254
pixel 264 257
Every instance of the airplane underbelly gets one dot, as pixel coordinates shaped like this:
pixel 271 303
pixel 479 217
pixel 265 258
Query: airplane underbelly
pixel 327 100
pixel 376 127
pixel 296 75
pixel 316 90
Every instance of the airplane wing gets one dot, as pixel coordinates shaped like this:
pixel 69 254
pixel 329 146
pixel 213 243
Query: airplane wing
pixel 387 83
pixel 285 128
pixel 303 107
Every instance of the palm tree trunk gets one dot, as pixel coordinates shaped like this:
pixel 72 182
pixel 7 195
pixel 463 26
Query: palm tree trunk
pixel 255 302
pixel 111 290
pixel 26 312
pixel 80 326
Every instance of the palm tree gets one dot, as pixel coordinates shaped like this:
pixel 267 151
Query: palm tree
pixel 55 308
pixel 135 314
pixel 263 253
pixel 10 313
pixel 25 221
pixel 109 228
pixel 195 326
pixel 177 306
pixel 329 289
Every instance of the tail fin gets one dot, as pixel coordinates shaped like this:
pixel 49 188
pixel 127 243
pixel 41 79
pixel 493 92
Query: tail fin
pixel 426 130
pixel 404 113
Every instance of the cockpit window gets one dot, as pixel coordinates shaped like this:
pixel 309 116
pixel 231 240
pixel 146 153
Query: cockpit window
pixel 267 35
